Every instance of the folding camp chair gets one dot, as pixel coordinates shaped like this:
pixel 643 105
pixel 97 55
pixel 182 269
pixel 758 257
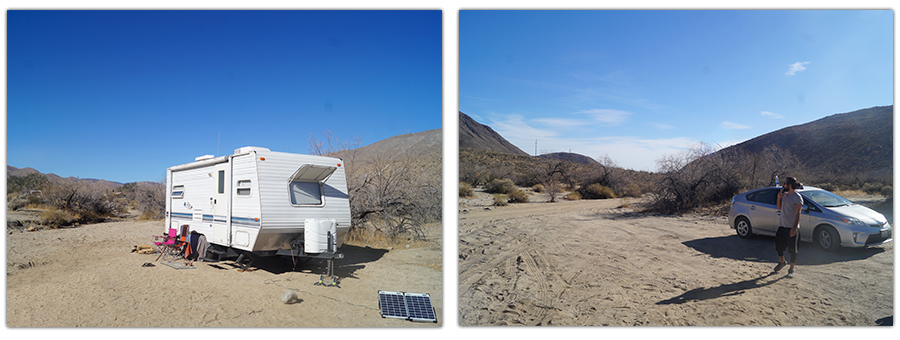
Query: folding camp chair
pixel 171 248
pixel 163 242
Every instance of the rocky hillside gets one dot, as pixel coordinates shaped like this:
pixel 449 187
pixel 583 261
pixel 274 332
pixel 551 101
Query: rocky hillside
pixel 12 171
pixel 570 157
pixel 412 145
pixel 475 135
pixel 855 142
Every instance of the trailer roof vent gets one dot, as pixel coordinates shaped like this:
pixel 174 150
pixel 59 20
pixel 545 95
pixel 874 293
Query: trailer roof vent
pixel 204 157
pixel 248 149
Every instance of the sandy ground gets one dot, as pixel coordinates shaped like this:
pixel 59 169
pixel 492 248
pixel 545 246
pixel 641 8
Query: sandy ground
pixel 599 263
pixel 87 276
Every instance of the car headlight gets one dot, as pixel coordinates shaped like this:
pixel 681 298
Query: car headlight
pixel 853 221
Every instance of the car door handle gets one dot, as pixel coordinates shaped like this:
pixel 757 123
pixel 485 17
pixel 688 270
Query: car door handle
pixel 752 207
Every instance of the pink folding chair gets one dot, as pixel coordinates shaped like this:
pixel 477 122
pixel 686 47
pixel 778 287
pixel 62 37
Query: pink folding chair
pixel 167 244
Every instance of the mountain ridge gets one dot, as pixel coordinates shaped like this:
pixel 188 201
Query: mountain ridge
pixel 475 135
pixel 856 141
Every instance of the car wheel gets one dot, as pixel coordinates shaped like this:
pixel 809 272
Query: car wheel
pixel 743 228
pixel 827 238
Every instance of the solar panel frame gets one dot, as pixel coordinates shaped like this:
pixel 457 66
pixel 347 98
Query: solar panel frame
pixel 392 305
pixel 407 306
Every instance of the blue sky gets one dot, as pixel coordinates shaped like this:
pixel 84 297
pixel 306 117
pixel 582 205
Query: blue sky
pixel 638 85
pixel 123 95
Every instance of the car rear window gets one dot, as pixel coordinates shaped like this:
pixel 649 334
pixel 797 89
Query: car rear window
pixel 767 196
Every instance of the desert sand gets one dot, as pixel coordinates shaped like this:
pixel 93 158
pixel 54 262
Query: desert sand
pixel 87 276
pixel 601 263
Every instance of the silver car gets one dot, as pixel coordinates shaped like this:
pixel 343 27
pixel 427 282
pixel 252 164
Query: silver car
pixel 828 220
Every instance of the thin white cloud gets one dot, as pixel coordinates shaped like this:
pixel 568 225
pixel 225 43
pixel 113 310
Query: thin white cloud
pixel 561 122
pixel 733 126
pixel 662 126
pixel 626 151
pixel 771 114
pixel 606 116
pixel 514 126
pixel 796 67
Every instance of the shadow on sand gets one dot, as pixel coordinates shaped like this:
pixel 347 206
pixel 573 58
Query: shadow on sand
pixel 720 291
pixel 762 249
pixel 354 259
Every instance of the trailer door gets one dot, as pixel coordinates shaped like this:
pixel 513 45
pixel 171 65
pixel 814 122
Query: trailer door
pixel 220 201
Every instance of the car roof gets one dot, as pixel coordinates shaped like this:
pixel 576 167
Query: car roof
pixel 805 188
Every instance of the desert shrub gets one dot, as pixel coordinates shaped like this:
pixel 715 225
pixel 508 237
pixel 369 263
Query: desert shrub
pixel 871 188
pixel 147 197
pixel 465 190
pixel 596 191
pixel 86 199
pixel 887 191
pixel 632 190
pixel 16 201
pixel 395 197
pixel 518 196
pixel 150 199
pixel 392 195
pixel 56 218
pixel 500 186
pixel 696 178
pixel 828 186
pixel 573 196
pixel 150 216
pixel 501 200
pixel 878 189
pixel 538 188
pixel 26 183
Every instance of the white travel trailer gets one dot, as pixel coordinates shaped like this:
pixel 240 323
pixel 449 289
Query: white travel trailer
pixel 262 202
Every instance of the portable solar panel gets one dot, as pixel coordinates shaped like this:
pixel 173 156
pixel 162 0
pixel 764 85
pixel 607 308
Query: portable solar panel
pixel 408 306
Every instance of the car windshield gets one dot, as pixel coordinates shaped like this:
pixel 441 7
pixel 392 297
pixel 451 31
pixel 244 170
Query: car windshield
pixel 825 198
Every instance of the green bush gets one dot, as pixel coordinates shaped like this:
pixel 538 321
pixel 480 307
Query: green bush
pixel 500 186
pixel 596 191
pixel 465 190
pixel 518 196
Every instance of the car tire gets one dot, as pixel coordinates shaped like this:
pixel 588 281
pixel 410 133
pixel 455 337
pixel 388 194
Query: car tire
pixel 827 238
pixel 743 227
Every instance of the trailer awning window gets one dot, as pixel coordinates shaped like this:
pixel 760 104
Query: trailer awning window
pixel 312 173
pixel 306 184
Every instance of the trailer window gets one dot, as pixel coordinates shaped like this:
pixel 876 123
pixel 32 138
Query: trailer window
pixel 243 187
pixel 178 191
pixel 306 193
pixel 221 181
